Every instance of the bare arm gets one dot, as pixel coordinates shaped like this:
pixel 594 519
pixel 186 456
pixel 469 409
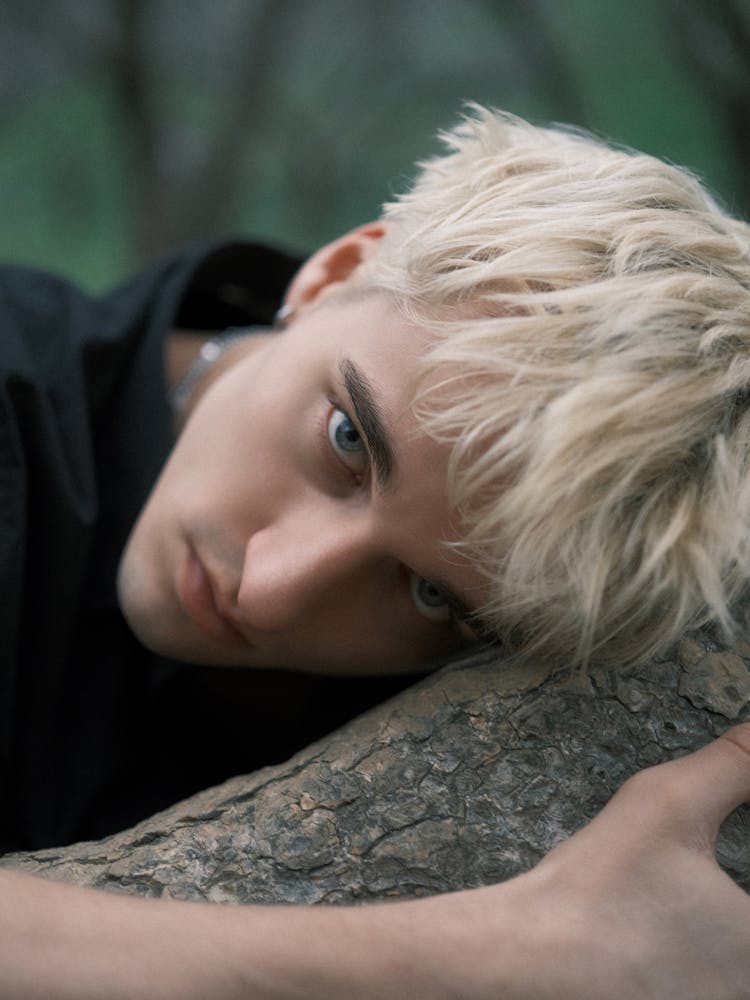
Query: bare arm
pixel 633 905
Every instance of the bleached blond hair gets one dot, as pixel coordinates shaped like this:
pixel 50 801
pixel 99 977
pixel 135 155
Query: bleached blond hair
pixel 591 372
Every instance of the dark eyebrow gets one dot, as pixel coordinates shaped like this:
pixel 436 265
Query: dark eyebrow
pixel 367 412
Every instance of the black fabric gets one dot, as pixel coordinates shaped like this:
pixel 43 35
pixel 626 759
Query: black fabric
pixel 95 732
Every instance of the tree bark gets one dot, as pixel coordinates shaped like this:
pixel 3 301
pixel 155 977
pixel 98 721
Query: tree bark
pixel 467 778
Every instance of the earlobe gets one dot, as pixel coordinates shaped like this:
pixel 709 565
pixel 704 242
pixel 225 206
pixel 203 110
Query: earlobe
pixel 333 264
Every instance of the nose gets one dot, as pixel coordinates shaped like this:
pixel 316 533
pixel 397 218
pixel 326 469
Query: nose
pixel 296 565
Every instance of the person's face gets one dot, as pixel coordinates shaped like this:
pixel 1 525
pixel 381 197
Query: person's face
pixel 301 519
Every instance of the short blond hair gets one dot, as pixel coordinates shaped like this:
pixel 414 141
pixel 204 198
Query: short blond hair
pixel 591 371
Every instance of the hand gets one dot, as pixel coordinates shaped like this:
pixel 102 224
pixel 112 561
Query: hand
pixel 634 905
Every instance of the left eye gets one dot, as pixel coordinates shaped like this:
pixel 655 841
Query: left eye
pixel 346 441
pixel 429 599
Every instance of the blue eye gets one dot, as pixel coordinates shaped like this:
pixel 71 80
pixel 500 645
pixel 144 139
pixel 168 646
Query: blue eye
pixel 346 441
pixel 429 599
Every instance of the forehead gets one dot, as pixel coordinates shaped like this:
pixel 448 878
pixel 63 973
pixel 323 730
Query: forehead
pixel 370 323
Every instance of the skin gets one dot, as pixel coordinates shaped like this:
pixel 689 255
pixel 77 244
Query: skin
pixel 280 532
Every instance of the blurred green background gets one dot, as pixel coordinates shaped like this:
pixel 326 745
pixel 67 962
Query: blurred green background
pixel 128 127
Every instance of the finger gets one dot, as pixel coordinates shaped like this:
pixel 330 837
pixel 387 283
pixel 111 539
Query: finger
pixel 707 785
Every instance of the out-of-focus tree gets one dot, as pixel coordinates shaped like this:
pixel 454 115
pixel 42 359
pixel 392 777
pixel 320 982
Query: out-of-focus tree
pixel 128 127
pixel 181 188
pixel 177 113
pixel 712 37
pixel 539 52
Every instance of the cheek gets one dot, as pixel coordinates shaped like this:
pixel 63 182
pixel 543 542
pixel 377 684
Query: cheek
pixel 232 463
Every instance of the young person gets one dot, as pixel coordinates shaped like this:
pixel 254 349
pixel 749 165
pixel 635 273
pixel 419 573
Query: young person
pixel 508 410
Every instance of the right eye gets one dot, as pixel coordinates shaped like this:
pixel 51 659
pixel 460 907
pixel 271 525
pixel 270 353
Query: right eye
pixel 346 441
pixel 429 600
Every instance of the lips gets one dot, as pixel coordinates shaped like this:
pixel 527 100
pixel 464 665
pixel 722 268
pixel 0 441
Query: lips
pixel 197 598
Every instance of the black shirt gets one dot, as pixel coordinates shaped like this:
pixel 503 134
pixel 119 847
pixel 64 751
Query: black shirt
pixel 96 732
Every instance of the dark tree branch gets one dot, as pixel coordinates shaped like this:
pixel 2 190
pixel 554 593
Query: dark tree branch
pixel 468 778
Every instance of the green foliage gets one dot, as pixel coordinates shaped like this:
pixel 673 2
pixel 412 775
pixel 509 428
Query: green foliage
pixel 63 174
pixel 294 119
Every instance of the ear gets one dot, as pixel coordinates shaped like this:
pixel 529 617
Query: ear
pixel 333 264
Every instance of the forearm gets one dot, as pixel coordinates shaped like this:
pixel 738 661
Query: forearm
pixel 62 941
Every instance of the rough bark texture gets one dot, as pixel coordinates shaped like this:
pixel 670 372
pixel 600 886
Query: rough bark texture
pixel 467 778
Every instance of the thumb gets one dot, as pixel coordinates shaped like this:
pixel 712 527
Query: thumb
pixel 704 787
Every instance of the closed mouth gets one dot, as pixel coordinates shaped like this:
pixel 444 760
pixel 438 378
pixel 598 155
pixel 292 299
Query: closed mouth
pixel 198 599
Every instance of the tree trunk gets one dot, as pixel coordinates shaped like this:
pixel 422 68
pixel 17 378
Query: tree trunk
pixel 467 778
